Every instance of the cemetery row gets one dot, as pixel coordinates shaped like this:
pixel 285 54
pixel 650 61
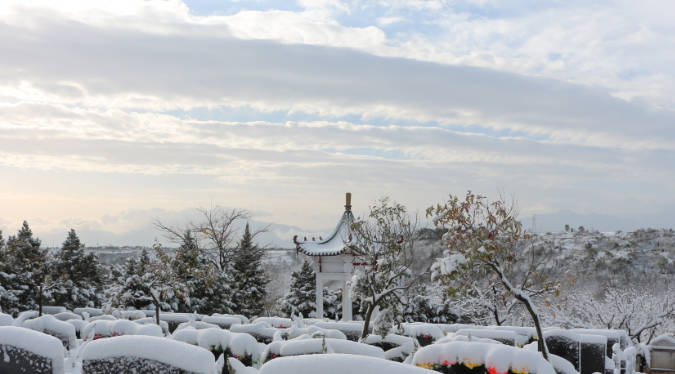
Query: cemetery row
pixel 88 341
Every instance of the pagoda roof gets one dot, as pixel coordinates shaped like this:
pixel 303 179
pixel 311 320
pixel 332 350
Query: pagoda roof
pixel 339 241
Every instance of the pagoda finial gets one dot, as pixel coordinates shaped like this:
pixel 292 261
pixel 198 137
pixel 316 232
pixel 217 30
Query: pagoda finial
pixel 348 200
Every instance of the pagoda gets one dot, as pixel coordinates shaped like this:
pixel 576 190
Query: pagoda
pixel 334 259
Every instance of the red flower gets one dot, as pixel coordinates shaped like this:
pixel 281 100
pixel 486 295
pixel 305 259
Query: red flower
pixel 493 370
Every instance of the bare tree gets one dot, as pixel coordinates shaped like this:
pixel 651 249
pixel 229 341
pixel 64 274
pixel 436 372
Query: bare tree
pixel 642 314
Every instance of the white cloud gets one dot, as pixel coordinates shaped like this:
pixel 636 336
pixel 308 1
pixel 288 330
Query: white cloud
pixel 112 98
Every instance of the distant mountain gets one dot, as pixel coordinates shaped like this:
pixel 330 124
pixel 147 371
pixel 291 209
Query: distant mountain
pixel 552 222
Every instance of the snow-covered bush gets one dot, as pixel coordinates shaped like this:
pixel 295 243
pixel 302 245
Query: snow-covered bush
pixel 259 329
pixel 123 354
pixel 337 363
pixel 425 333
pixel 312 346
pixel 470 357
pixel 51 326
pixel 103 329
pixel 396 347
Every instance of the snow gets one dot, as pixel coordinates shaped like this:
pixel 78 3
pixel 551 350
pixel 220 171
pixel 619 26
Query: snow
pixel 452 337
pixel 498 356
pixel 52 326
pixel 222 321
pixel 206 338
pixel 420 329
pixel 314 331
pixel 91 312
pixel 242 344
pixel 64 316
pixel 337 364
pixel 6 320
pixel 23 316
pixel 179 317
pixel 36 342
pixel 239 368
pixel 197 325
pixel 346 327
pixel 119 327
pixel 49 309
pixel 276 322
pixel 103 317
pixel 447 265
pixel 336 242
pixel 664 340
pixel 257 328
pixel 151 321
pixel 171 352
pixel 313 346
pixel 561 365
pixel 494 334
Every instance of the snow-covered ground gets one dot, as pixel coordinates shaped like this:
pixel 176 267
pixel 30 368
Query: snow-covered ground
pixel 297 346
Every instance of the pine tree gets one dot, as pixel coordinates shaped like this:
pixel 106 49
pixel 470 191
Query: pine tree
pixel 143 263
pixel 249 277
pixel 302 296
pixel 27 263
pixel 186 266
pixel 132 291
pixel 8 287
pixel 76 274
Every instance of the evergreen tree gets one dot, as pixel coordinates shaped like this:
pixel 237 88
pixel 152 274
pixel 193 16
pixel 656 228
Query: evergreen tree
pixel 186 266
pixel 132 291
pixel 144 263
pixel 302 296
pixel 27 264
pixel 249 277
pixel 76 274
pixel 8 287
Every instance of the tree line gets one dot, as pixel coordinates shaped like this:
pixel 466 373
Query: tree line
pixel 213 270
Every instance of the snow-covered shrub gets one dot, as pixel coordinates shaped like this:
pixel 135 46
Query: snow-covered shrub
pixel 6 320
pixel 396 347
pixel 470 357
pixel 224 321
pixel 145 354
pixel 103 329
pixel 351 329
pixel 219 342
pixel 503 336
pixel 313 346
pixel 28 351
pixel 64 316
pixel 332 363
pixel 259 329
pixel 276 322
pixel 51 326
pixel 425 333
pixel 88 312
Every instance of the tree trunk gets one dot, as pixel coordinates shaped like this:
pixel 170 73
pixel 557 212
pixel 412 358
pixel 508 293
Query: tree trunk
pixel 366 321
pixel 496 315
pixel 157 314
pixel 39 301
pixel 541 343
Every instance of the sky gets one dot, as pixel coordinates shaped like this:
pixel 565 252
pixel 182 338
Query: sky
pixel 115 114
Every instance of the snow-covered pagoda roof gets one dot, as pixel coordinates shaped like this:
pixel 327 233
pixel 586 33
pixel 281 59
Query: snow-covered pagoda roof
pixel 340 240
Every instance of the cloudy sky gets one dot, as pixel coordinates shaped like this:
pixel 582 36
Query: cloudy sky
pixel 114 114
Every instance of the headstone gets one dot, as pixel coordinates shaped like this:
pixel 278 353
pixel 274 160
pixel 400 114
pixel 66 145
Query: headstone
pixel 126 364
pixel 592 357
pixel 20 361
pixel 563 345
pixel 24 351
